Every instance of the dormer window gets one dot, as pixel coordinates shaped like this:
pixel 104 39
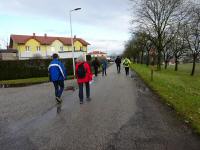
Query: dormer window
pixel 27 48
pixel 38 48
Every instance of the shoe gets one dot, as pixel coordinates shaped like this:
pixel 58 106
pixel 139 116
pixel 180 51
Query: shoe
pixel 59 100
pixel 81 102
pixel 88 99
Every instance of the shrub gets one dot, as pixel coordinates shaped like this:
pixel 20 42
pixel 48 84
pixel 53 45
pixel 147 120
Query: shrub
pixel 21 69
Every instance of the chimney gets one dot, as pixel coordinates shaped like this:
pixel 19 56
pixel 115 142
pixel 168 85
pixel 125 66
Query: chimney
pixel 74 36
pixel 45 35
pixel 33 34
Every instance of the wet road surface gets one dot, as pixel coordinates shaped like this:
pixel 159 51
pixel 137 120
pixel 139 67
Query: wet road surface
pixel 123 115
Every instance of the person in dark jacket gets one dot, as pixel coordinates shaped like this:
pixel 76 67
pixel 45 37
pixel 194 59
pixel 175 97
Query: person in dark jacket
pixel 118 63
pixel 57 75
pixel 96 66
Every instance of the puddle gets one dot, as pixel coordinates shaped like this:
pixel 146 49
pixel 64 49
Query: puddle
pixel 71 88
pixel 141 87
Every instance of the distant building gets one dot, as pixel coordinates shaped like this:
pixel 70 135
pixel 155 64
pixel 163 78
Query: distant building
pixel 97 54
pixel 30 46
pixel 8 54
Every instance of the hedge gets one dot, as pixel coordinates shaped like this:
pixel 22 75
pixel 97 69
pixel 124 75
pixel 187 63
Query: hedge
pixel 21 69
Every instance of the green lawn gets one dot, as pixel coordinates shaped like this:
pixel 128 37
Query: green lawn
pixel 179 89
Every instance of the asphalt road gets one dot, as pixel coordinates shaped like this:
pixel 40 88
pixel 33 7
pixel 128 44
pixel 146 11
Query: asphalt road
pixel 123 115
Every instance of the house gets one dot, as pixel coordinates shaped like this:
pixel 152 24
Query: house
pixel 97 54
pixel 8 54
pixel 30 46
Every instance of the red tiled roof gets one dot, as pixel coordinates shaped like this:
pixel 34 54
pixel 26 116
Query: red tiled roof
pixel 45 40
pixel 96 52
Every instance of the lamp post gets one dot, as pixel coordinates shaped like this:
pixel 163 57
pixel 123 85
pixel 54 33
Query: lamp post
pixel 72 42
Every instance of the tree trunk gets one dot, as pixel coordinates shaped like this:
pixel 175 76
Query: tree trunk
pixel 159 60
pixel 142 55
pixel 147 62
pixel 134 59
pixel 159 49
pixel 176 63
pixel 166 62
pixel 194 64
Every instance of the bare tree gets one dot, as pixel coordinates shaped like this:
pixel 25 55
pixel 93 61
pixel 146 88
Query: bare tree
pixel 178 44
pixel 192 33
pixel 136 46
pixel 141 41
pixel 131 49
pixel 156 17
pixel 149 46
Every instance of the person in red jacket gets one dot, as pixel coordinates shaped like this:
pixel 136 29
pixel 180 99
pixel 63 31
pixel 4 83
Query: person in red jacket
pixel 83 75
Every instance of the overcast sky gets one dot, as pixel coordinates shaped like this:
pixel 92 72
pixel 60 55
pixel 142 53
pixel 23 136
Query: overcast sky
pixel 104 23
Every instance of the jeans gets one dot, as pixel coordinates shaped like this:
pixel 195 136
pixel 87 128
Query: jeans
pixel 103 71
pixel 96 71
pixel 118 68
pixel 87 85
pixel 59 87
pixel 127 70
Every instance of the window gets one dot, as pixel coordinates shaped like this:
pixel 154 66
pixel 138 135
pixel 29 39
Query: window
pixel 38 48
pixel 27 48
pixel 61 48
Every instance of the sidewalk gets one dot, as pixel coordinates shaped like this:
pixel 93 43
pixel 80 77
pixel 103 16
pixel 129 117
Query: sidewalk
pixel 123 114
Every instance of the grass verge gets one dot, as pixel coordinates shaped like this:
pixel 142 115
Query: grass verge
pixel 178 89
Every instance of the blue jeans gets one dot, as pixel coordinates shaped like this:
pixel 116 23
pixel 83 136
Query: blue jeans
pixel 103 71
pixel 87 85
pixel 59 87
pixel 96 71
pixel 118 68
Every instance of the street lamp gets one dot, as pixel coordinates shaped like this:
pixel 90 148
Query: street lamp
pixel 72 42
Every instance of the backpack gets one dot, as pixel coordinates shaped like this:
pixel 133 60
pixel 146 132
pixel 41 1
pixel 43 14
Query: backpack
pixel 81 71
pixel 125 63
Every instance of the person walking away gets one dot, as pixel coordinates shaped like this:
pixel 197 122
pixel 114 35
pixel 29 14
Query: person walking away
pixel 126 63
pixel 118 63
pixel 104 66
pixel 84 76
pixel 57 75
pixel 96 65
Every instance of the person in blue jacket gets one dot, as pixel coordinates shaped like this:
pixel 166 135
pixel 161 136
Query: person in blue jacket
pixel 104 66
pixel 57 75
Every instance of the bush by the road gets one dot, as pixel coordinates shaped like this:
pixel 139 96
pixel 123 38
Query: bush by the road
pixel 178 89
pixel 21 69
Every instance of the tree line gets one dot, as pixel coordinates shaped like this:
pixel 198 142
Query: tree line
pixel 164 29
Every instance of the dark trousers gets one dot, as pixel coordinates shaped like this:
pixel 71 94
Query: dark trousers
pixel 59 87
pixel 87 85
pixel 96 71
pixel 127 70
pixel 104 71
pixel 118 68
